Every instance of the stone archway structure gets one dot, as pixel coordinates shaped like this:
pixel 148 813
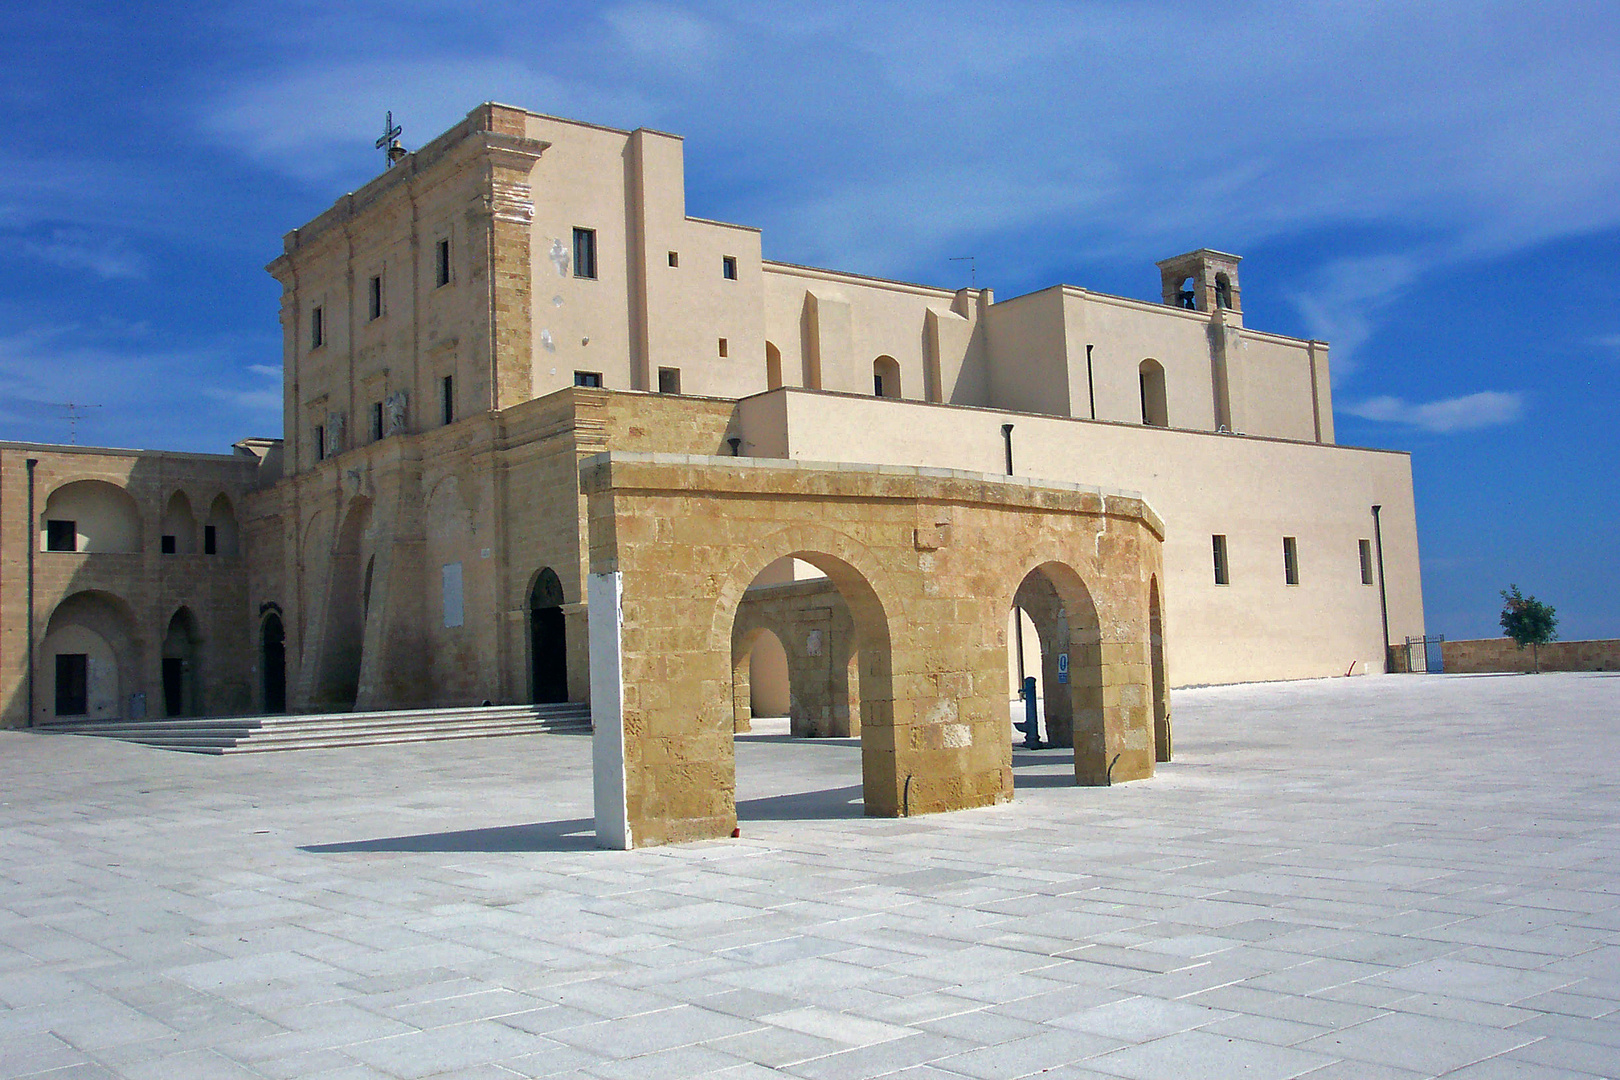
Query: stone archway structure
pixel 928 562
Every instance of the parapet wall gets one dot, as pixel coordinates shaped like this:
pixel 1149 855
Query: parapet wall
pixel 1501 654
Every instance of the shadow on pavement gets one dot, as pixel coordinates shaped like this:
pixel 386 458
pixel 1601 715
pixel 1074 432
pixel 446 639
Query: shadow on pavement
pixel 844 802
pixel 578 834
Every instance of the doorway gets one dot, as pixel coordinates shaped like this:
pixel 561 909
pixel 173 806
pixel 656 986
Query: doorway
pixel 548 639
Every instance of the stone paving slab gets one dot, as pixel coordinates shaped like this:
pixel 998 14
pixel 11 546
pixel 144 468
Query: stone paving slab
pixel 1381 878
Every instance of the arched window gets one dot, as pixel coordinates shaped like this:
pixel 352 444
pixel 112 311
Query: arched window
pixel 219 533
pixel 1154 412
pixel 90 515
pixel 773 366
pixel 886 377
pixel 179 535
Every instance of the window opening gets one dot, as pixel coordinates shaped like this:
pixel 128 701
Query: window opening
pixel 320 442
pixel 210 540
pixel 447 398
pixel 376 296
pixel 1366 561
pixel 1223 291
pixel 669 380
pixel 1222 575
pixel 167 544
pixel 441 263
pixel 674 258
pixel 376 421
pixel 723 347
pixel 588 378
pixel 585 253
pixel 728 267
pixel 317 328
pixel 1155 412
pixel 1290 560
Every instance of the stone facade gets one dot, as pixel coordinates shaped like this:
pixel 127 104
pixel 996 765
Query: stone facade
pixel 928 563
pixel 1503 654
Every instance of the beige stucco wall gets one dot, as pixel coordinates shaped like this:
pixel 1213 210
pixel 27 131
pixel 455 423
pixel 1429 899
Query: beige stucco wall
pixel 1254 491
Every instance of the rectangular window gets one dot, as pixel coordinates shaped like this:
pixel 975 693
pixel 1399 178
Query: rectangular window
pixel 376 421
pixel 1366 561
pixel 728 267
pixel 587 378
pixel 320 443
pixel 1290 560
pixel 210 540
pixel 441 264
pixel 585 253
pixel 317 328
pixel 674 258
pixel 447 399
pixel 1222 576
pixel 72 684
pixel 723 347
pixel 669 380
pixel 168 545
pixel 375 297
pixel 61 536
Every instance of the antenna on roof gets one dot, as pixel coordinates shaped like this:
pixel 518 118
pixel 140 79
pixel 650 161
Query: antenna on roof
pixel 389 143
pixel 73 412
pixel 973 267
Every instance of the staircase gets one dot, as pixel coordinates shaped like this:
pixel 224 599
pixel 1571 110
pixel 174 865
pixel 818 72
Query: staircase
pixel 260 734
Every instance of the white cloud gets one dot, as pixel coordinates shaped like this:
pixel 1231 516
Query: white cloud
pixel 268 371
pixel 108 257
pixel 1488 408
pixel 672 37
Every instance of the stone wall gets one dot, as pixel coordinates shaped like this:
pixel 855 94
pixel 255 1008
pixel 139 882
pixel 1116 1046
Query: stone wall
pixel 1501 654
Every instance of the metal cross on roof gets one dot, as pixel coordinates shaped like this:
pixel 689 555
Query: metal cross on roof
pixel 389 143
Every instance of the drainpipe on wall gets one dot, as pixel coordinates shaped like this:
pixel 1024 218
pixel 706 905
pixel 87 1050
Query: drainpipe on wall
pixel 1006 434
pixel 1091 390
pixel 33 542
pixel 1383 602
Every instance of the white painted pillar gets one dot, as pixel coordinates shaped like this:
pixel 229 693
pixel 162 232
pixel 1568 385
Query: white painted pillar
pixel 604 593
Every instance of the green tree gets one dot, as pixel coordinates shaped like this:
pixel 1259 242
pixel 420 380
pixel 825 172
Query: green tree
pixel 1528 621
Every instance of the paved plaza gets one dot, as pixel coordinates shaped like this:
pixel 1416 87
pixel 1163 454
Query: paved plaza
pixel 1367 879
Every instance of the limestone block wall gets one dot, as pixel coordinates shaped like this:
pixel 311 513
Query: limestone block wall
pixel 928 563
pixel 817 632
pixel 1502 654
pixel 121 599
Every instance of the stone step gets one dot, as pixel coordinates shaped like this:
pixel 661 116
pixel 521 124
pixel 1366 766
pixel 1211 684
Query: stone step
pixel 259 734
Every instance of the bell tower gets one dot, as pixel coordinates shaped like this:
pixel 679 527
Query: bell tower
pixel 1202 280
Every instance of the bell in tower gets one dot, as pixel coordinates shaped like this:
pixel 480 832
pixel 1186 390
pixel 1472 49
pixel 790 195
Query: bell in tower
pixel 1202 280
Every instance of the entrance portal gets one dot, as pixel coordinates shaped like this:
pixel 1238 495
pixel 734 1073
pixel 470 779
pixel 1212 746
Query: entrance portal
pixel 181 686
pixel 548 640
pixel 273 664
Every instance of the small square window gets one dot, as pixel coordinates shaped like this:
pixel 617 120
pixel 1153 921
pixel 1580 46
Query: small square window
pixel 588 378
pixel 317 328
pixel 1222 576
pixel 1290 560
pixel 374 295
pixel 723 346
pixel 210 540
pixel 674 258
pixel 669 380
pixel 1366 552
pixel 320 442
pixel 585 253
pixel 728 267
pixel 447 399
pixel 376 421
pixel 168 545
pixel 441 264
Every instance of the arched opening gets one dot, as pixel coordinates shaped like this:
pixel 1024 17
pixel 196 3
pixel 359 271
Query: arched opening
pixel 1187 294
pixel 834 637
pixel 886 377
pixel 273 663
pixel 1160 684
pixel 1223 291
pixel 548 639
pixel 90 516
pixel 182 681
pixel 90 660
pixel 219 532
pixel 1154 410
pixel 773 366
pixel 759 680
pixel 179 536
pixel 1069 676
pixel 337 680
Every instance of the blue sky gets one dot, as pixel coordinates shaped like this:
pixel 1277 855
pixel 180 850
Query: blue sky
pixel 1432 187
